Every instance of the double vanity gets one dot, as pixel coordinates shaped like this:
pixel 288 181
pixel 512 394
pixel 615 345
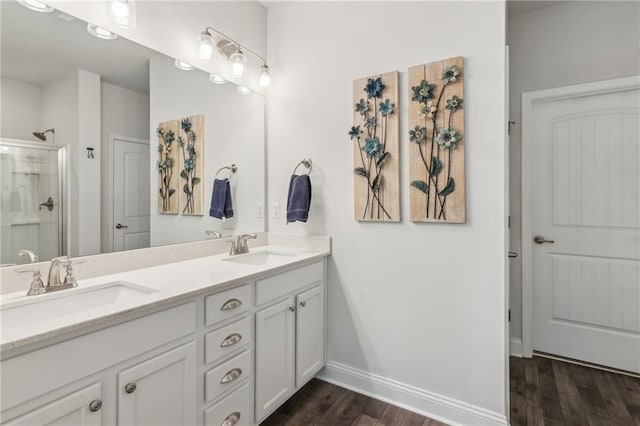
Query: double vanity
pixel 215 340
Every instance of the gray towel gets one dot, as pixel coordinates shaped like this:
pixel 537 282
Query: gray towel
pixel 221 205
pixel 299 198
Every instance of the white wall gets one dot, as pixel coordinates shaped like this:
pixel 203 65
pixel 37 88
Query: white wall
pixel 20 109
pixel 422 305
pixel 570 43
pixel 123 113
pixel 173 28
pixel 234 133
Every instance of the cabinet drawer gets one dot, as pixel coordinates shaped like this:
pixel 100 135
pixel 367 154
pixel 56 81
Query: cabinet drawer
pixel 227 304
pixel 236 406
pixel 227 340
pixel 279 285
pixel 227 375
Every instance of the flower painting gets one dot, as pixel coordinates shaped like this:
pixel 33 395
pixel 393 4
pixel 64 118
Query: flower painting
pixel 180 166
pixel 375 138
pixel 436 142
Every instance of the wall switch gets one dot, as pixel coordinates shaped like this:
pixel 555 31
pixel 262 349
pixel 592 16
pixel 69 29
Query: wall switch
pixel 260 210
pixel 275 210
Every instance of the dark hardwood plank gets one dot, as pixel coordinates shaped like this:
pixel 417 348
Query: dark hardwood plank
pixel 345 410
pixel 392 416
pixel 570 403
pixel 374 408
pixel 551 410
pixel 535 415
pixel 517 392
pixel 616 408
pixel 592 402
pixel 364 420
pixel 630 393
pixel 431 422
pixel 412 419
pixel 325 395
pixel 276 419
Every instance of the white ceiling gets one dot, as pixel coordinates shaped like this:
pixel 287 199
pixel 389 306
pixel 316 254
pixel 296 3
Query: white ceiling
pixel 40 47
pixel 519 7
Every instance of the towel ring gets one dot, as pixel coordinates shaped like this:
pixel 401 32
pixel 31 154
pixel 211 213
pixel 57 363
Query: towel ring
pixel 307 163
pixel 232 169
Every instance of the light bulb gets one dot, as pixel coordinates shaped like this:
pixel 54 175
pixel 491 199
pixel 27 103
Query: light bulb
pixel 36 5
pixel 216 79
pixel 184 66
pixel 206 48
pixel 100 32
pixel 243 90
pixel 237 63
pixel 265 78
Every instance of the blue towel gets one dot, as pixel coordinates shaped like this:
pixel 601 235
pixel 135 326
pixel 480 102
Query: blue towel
pixel 299 198
pixel 221 205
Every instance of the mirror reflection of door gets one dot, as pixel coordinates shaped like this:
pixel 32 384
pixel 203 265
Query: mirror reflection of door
pixel 30 178
pixel 130 194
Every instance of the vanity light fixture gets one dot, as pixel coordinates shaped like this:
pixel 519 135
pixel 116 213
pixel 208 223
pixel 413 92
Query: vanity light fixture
pixel 233 52
pixel 216 79
pixel 184 66
pixel 243 90
pixel 36 5
pixel 123 12
pixel 100 32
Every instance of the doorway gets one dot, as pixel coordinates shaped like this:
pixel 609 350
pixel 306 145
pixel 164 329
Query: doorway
pixel 581 222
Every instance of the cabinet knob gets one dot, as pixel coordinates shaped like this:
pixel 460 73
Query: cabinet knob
pixel 231 375
pixel 303 303
pixel 292 308
pixel 130 387
pixel 231 340
pixel 95 405
pixel 231 419
pixel 230 304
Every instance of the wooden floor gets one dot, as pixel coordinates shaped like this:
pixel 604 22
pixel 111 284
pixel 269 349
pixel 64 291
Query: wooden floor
pixel 321 403
pixel 551 392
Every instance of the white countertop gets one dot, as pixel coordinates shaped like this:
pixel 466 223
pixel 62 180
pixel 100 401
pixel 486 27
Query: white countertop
pixel 167 284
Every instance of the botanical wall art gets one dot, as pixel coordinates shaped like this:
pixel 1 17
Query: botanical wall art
pixel 180 166
pixel 375 138
pixel 436 142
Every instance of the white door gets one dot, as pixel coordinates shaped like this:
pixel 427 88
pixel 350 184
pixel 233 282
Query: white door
pixel 130 195
pixel 274 356
pixel 585 199
pixel 81 407
pixel 160 391
pixel 309 334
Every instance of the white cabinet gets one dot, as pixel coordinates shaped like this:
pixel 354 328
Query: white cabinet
pixel 274 356
pixel 80 407
pixel 160 390
pixel 289 347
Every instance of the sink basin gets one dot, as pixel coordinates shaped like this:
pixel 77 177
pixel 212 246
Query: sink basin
pixel 259 258
pixel 50 307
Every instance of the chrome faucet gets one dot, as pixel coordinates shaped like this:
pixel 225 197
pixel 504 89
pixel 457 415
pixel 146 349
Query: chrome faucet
pixel 29 255
pixel 54 282
pixel 239 246
pixel 215 234
pixel 53 279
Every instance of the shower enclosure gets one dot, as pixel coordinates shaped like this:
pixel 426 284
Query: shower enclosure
pixel 32 194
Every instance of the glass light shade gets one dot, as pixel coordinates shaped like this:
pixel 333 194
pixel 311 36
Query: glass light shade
pixel 216 79
pixel 206 48
pixel 119 8
pixel 265 78
pixel 36 5
pixel 237 63
pixel 100 32
pixel 123 12
pixel 184 66
pixel 243 90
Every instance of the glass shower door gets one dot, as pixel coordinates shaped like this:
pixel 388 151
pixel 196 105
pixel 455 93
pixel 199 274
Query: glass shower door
pixel 31 200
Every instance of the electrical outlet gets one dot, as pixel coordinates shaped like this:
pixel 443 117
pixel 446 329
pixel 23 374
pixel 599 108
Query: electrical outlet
pixel 276 210
pixel 260 210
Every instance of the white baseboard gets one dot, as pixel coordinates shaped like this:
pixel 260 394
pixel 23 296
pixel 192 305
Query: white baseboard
pixel 429 404
pixel 515 347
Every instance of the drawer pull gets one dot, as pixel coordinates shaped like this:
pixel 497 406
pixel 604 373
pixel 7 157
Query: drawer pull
pixel 232 375
pixel 130 387
pixel 95 405
pixel 231 340
pixel 230 304
pixel 231 419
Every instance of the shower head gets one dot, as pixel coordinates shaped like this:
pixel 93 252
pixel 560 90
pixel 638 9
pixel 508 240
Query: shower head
pixel 43 135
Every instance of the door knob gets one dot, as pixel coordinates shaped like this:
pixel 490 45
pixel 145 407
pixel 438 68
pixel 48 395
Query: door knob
pixel 539 239
pixel 120 226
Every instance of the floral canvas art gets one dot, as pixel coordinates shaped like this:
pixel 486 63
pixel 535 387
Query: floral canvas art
pixel 436 142
pixel 375 135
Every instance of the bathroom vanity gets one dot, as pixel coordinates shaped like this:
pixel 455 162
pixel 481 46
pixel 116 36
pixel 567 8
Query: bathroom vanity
pixel 217 340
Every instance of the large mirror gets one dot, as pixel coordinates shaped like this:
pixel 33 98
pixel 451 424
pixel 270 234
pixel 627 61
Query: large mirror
pixel 104 100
